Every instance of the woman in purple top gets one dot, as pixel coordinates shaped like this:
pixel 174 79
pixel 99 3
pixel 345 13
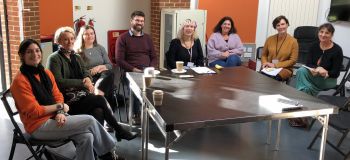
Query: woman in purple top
pixel 224 45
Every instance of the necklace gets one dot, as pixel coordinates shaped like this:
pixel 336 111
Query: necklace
pixel 278 49
pixel 326 46
pixel 188 47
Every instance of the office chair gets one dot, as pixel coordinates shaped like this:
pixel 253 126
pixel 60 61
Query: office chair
pixel 340 122
pixel 259 52
pixel 306 36
pixel 25 138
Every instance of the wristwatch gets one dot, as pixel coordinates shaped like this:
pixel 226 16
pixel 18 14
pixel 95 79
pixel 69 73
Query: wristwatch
pixel 59 106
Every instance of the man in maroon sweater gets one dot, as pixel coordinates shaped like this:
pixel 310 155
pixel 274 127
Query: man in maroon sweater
pixel 134 51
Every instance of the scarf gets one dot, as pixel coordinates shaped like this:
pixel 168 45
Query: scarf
pixel 74 66
pixel 42 89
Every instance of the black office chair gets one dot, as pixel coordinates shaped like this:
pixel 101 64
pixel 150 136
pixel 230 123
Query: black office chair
pixel 206 60
pixel 259 52
pixel 25 138
pixel 340 122
pixel 306 36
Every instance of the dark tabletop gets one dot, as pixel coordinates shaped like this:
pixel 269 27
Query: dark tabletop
pixel 233 95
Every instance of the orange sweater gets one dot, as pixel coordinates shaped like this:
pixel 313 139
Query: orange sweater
pixel 32 114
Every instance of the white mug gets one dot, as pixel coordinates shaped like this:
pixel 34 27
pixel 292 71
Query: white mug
pixel 149 71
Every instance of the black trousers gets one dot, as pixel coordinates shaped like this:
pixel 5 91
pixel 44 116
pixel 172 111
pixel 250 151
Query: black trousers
pixel 97 106
pixel 106 85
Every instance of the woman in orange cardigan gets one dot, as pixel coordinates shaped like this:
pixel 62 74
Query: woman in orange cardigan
pixel 43 113
pixel 280 50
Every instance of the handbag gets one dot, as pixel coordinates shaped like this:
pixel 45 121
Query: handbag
pixel 73 95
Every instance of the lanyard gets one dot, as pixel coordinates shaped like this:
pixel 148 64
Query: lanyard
pixel 190 53
pixel 278 50
pixel 189 50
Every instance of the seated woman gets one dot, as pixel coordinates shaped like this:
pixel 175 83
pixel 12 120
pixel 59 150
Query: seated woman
pixel 325 60
pixel 186 47
pixel 42 111
pixel 97 62
pixel 224 45
pixel 280 50
pixel 74 82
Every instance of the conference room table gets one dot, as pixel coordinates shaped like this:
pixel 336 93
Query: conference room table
pixel 230 96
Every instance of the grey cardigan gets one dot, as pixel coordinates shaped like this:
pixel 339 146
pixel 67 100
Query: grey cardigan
pixel 59 66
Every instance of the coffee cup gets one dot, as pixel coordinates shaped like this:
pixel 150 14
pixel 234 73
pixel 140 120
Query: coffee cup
pixel 148 71
pixel 147 81
pixel 157 97
pixel 179 66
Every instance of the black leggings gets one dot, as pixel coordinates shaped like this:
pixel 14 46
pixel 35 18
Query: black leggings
pixel 97 106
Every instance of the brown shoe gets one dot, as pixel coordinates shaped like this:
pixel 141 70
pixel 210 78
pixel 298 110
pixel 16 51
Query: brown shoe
pixel 298 122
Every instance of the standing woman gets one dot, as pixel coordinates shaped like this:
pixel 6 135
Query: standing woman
pixel 74 81
pixel 224 45
pixel 325 60
pixel 280 50
pixel 97 62
pixel 186 47
pixel 42 111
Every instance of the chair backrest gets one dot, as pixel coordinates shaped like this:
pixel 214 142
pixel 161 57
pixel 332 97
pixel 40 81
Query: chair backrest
pixel 341 86
pixel 306 36
pixel 259 52
pixel 11 109
pixel 112 36
pixel 345 65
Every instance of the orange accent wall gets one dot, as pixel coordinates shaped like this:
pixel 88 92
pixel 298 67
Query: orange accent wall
pixel 55 14
pixel 244 14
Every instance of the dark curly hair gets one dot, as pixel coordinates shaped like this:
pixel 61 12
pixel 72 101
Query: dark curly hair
pixel 217 28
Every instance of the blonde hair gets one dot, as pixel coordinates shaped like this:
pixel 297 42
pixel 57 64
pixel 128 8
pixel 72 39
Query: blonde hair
pixel 79 44
pixel 59 31
pixel 180 33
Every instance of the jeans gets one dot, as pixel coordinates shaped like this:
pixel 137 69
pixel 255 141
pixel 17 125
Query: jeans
pixel 230 61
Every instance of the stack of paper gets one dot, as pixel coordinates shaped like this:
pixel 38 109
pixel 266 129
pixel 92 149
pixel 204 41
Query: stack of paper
pixel 203 70
pixel 271 71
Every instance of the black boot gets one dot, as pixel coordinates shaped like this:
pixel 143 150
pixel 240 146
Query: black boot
pixel 111 156
pixel 121 133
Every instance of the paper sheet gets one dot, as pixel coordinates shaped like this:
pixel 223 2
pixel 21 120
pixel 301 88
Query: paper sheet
pixel 203 70
pixel 307 67
pixel 271 71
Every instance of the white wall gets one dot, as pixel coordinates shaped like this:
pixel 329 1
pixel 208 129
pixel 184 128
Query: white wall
pixel 112 15
pixel 262 22
pixel 342 29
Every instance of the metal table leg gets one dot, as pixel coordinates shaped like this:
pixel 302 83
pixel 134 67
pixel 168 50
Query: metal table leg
pixel 268 140
pixel 143 125
pixel 278 136
pixel 324 122
pixel 167 143
pixel 131 104
pixel 147 130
